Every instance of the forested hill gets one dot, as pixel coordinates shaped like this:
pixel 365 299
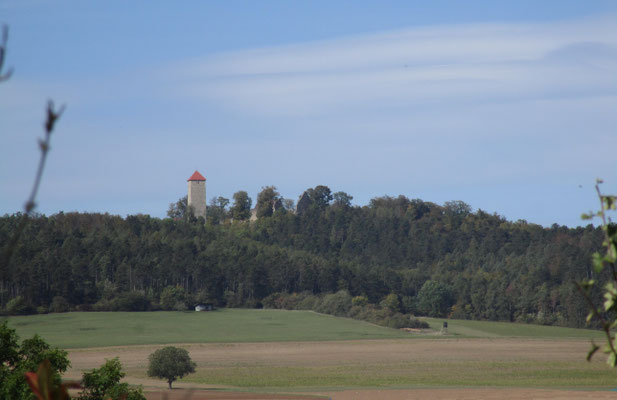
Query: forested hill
pixel 438 260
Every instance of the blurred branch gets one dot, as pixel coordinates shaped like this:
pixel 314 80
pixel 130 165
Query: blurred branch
pixel 604 312
pixel 5 39
pixel 52 116
pixel 44 146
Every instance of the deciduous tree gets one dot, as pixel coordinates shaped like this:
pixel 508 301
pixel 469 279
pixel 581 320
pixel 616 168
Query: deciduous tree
pixel 217 210
pixel 16 360
pixel 241 209
pixel 104 383
pixel 268 200
pixel 179 209
pixel 170 363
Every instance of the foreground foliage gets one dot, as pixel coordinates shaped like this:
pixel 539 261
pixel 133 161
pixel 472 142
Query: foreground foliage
pixel 45 387
pixel 104 383
pixel 18 359
pixel 606 261
pixel 33 370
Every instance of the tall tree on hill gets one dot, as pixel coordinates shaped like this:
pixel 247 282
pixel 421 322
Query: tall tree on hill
pixel 268 200
pixel 241 209
pixel 342 199
pixel 180 209
pixel 321 196
pixel 217 210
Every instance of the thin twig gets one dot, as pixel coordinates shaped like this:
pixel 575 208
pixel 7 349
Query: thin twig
pixel 44 145
pixel 606 326
pixel 609 294
pixel 5 39
pixel 602 215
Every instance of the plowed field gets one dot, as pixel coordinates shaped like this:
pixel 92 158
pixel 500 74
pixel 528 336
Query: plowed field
pixel 376 369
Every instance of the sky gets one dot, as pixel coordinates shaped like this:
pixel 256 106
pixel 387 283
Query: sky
pixel 510 107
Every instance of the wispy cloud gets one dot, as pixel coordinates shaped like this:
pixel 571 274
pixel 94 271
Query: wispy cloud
pixel 437 65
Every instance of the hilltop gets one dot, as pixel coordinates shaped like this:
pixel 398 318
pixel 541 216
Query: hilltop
pixel 436 260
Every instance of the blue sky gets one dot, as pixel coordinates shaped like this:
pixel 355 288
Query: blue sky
pixel 508 106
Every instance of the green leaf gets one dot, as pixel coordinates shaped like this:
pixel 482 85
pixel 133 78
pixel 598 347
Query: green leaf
pixel 587 283
pixel 609 202
pixel 611 360
pixel 611 288
pixel 611 229
pixel 598 262
pixel 589 316
pixel 592 351
pixel 586 216
pixel 611 253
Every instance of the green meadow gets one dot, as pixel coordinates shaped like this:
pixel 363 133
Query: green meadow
pixel 101 329
pixel 491 329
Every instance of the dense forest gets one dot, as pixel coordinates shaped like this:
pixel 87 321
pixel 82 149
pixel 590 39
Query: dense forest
pixel 419 257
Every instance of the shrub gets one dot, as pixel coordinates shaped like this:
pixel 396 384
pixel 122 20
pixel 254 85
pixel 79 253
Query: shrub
pixel 103 305
pixel 310 302
pixel 398 321
pixel 59 305
pixel 359 301
pixel 270 300
pixel 253 303
pixel 83 307
pixel 337 304
pixel 131 301
pixel 343 305
pixel 104 383
pixel 19 306
pixel 171 296
pixel 391 302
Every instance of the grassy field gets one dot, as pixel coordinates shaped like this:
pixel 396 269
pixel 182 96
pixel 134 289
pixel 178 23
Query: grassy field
pixel 273 350
pixel 490 329
pixel 73 330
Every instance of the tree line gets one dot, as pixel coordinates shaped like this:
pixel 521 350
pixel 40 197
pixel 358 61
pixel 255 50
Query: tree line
pixel 437 260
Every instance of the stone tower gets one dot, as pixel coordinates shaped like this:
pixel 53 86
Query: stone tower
pixel 197 194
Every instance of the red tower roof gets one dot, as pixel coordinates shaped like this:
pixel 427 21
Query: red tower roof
pixel 196 177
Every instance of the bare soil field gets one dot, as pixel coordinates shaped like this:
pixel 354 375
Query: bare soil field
pixel 344 352
pixel 469 394
pixel 392 394
pixel 374 369
pixel 218 395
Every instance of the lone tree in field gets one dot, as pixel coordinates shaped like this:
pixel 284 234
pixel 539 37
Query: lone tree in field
pixel 170 363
